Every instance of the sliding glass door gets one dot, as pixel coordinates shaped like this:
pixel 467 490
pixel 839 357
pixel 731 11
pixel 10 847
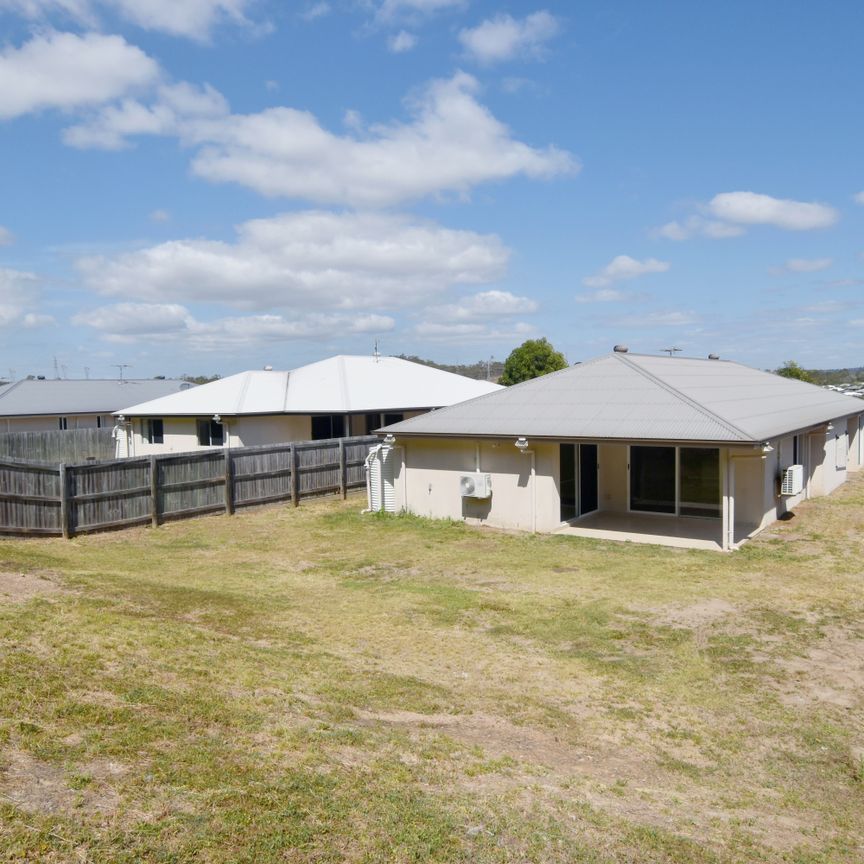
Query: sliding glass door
pixel 675 480
pixel 578 480
pixel 652 479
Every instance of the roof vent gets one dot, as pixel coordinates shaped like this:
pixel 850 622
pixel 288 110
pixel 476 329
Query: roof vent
pixel 620 349
pixel 268 368
pixel 713 356
pixel 40 377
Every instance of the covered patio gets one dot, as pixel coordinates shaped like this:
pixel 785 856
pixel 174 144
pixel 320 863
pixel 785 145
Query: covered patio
pixel 685 532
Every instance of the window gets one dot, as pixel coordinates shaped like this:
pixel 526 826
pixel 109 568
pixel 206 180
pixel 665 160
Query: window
pixel 568 482
pixel 153 431
pixel 373 422
pixel 64 423
pixel 210 433
pixel 393 418
pixel 327 426
pixel 796 450
pixel 98 421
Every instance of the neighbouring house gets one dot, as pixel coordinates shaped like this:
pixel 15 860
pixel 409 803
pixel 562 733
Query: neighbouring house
pixel 43 405
pixel 671 450
pixel 333 398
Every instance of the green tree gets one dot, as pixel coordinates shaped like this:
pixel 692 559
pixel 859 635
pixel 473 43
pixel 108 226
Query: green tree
pixel 531 359
pixel 790 369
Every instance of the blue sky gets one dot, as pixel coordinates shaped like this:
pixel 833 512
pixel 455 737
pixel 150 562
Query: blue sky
pixel 214 185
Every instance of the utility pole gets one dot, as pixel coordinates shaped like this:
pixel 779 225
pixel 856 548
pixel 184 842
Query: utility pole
pixel 121 367
pixel 671 351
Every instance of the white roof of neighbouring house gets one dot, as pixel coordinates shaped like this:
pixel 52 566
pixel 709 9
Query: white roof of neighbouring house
pixel 34 397
pixel 338 385
pixel 638 397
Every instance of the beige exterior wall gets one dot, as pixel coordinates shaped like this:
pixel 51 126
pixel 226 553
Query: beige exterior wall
pixel 427 482
pixel 51 422
pixel 612 477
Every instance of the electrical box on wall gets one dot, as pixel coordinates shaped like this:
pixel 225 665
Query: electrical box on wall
pixel 793 480
pixel 476 485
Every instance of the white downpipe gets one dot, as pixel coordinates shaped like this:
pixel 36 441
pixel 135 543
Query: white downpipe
pixel 730 502
pixel 477 457
pixel 533 482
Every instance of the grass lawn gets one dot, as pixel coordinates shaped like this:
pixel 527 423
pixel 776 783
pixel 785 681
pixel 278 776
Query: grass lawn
pixel 319 686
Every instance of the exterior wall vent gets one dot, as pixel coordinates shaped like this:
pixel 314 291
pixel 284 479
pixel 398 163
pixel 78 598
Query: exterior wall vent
pixel 793 480
pixel 476 485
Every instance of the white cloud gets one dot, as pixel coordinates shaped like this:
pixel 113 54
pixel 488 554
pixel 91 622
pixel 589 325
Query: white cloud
pixel 18 290
pixel 482 305
pixel 505 38
pixel 624 267
pixel 62 70
pixel 191 18
pixel 7 238
pixel 602 295
pixel 859 198
pixel 308 260
pixel 160 216
pixel 451 144
pixel 472 332
pixel 401 42
pixel 751 208
pixel 672 318
pixel 390 9
pixel 316 11
pixel 32 320
pixel 695 226
pixel 171 322
pixel 803 265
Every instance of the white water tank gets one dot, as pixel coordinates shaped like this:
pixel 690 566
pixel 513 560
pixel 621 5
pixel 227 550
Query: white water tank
pixel 380 483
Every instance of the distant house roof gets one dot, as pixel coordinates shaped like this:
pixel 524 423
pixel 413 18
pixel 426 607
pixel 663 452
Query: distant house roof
pixel 639 397
pixel 338 385
pixel 33 397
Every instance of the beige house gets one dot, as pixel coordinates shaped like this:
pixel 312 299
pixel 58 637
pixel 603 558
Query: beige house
pixel 333 398
pixel 683 452
pixel 46 405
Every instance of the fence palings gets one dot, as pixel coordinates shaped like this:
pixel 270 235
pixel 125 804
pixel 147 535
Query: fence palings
pixel 69 499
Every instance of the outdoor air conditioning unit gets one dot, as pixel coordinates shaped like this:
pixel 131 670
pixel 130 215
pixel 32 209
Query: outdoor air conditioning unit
pixel 793 480
pixel 475 485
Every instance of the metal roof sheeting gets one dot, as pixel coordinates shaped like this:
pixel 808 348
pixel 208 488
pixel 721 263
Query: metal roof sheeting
pixel 33 397
pixel 337 385
pixel 638 397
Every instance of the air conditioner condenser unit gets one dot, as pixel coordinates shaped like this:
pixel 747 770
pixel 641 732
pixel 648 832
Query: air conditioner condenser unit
pixel 792 482
pixel 476 485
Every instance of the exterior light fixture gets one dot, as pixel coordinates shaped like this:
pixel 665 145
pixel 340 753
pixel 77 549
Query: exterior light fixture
pixel 766 447
pixel 390 439
pixel 522 444
pixel 217 419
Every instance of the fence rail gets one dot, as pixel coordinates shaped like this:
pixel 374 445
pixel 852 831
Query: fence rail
pixel 67 445
pixel 69 499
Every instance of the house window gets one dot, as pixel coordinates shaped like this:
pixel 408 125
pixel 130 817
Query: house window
pixel 393 418
pixel 675 480
pixel 64 423
pixel 328 426
pixel 373 422
pixel 652 479
pixel 699 482
pixel 154 432
pixel 210 433
pixel 796 450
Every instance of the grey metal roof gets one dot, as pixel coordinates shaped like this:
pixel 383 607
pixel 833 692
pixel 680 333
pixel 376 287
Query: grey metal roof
pixel 33 397
pixel 640 397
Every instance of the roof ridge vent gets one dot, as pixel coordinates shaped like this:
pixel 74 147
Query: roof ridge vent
pixel 620 349
pixel 713 356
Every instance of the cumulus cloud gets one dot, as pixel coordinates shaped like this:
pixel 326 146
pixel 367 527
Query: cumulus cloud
pixel 672 318
pixel 401 42
pixel 603 295
pixel 451 143
pixel 171 322
pixel 316 11
pixel 697 226
pixel 505 38
pixel 390 9
pixel 482 305
pixel 18 290
pixel 194 19
pixel 751 208
pixel 859 198
pixel 472 332
pixel 7 238
pixel 622 268
pixel 63 70
pixel 160 216
pixel 310 260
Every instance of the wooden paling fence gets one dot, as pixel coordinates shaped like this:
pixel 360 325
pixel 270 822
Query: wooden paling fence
pixel 66 445
pixel 69 499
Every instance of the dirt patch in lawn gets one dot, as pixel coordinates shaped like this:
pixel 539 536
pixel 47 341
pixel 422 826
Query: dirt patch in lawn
pixel 20 587
pixel 831 672
pixel 40 787
pixel 694 615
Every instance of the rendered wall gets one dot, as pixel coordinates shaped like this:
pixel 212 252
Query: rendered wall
pixel 51 422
